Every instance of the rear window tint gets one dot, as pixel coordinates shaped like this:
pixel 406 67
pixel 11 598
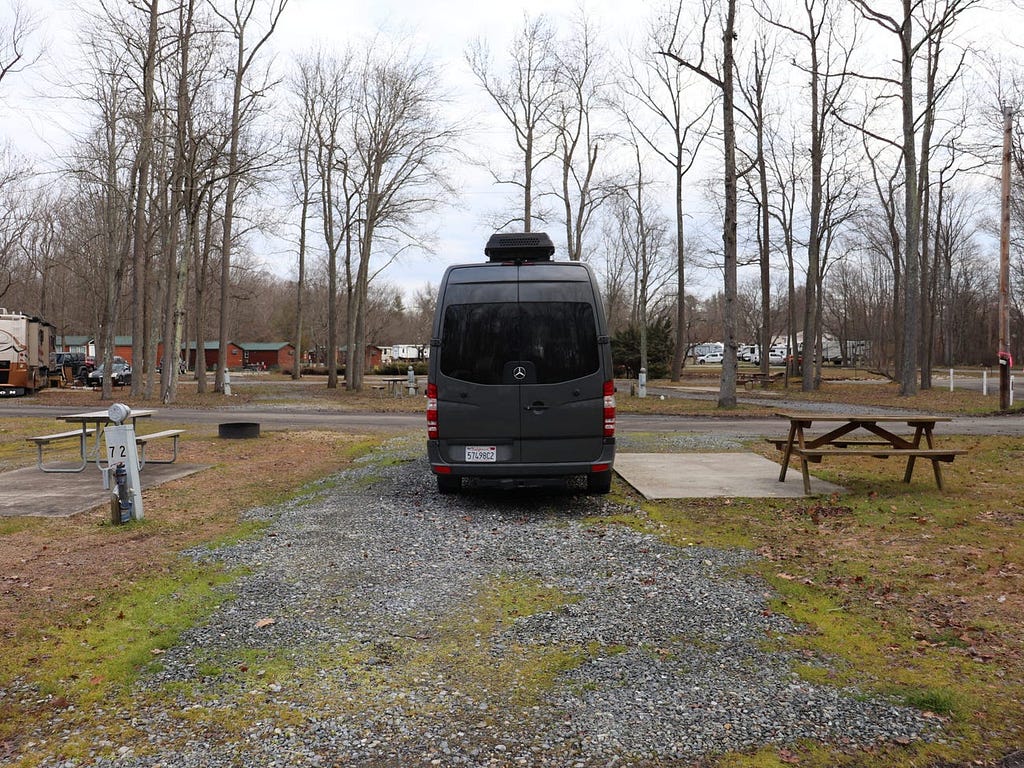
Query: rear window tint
pixel 559 338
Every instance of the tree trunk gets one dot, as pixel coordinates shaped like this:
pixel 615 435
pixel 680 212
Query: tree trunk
pixel 229 213
pixel 142 196
pixel 727 389
pixel 679 354
pixel 811 302
pixel 300 283
pixel 912 213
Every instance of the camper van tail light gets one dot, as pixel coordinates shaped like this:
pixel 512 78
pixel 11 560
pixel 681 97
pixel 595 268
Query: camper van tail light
pixel 609 409
pixel 432 411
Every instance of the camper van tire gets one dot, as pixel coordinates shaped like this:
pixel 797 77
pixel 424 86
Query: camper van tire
pixel 449 484
pixel 599 482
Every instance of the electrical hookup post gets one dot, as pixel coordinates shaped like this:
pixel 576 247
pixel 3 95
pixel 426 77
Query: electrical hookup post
pixel 123 460
pixel 1005 381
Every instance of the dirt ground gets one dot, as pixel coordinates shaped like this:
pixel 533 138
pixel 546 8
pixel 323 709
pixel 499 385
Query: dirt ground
pixel 50 567
pixel 948 565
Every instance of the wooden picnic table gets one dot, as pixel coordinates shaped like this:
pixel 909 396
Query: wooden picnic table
pixel 749 378
pixel 880 442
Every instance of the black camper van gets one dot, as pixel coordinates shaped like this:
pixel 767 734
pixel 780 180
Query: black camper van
pixel 520 387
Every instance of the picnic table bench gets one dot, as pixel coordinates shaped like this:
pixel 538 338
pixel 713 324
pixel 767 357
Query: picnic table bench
pixel 882 442
pixel 143 440
pixel 42 441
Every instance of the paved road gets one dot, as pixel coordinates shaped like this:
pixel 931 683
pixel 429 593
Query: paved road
pixel 271 417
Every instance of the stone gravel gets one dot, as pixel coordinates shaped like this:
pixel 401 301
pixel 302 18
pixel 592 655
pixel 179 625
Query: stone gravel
pixel 346 585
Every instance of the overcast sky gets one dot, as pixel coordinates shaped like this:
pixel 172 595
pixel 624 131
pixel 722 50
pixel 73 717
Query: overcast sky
pixel 39 125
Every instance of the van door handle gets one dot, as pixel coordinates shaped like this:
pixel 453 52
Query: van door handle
pixel 537 406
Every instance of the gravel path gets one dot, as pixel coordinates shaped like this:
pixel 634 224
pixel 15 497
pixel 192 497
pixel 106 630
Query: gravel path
pixel 381 651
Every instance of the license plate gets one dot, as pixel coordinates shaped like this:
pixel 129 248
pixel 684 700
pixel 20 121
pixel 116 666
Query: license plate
pixel 481 453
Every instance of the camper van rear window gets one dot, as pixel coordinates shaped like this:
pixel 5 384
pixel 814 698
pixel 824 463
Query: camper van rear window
pixel 559 338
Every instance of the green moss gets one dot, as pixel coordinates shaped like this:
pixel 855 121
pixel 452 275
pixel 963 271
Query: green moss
pixel 941 701
pixel 459 648
pixel 90 663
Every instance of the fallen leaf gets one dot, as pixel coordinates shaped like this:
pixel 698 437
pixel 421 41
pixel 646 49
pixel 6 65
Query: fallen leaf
pixel 265 623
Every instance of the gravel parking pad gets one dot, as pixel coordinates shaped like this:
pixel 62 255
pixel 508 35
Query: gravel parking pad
pixel 353 590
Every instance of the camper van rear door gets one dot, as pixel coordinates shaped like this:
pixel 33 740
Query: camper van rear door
pixel 562 403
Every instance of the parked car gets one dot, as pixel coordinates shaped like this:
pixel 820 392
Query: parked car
pixel 120 374
pixel 710 357
pixel 775 357
pixel 73 363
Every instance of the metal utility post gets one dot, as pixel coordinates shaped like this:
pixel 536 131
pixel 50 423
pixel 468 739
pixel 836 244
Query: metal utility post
pixel 121 450
pixel 1005 359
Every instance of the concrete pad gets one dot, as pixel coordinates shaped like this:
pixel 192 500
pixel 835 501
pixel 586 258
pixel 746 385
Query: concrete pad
pixel 31 492
pixel 704 475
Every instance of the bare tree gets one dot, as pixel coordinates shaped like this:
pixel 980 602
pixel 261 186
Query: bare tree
pixel 324 85
pixel 13 219
pixel 640 235
pixel 143 158
pixel 583 83
pixel 183 209
pixel 238 20
pixel 402 143
pixel 665 91
pixel 755 92
pixel 15 33
pixel 919 25
pixel 829 41
pixel 721 74
pixel 302 147
pixel 787 168
pixel 526 98
pixel 107 178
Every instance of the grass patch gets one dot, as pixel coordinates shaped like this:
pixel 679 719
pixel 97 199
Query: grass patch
pixel 460 647
pixel 89 661
pixel 109 597
pixel 900 591
pixel 941 701
pixel 413 670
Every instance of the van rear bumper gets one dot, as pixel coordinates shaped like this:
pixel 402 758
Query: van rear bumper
pixel 439 466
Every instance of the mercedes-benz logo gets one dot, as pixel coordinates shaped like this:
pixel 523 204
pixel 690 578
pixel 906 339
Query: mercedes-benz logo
pixel 519 372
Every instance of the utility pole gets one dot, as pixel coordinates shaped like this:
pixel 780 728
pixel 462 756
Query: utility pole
pixel 1005 359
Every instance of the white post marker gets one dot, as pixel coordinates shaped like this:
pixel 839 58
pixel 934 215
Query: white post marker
pixel 410 381
pixel 641 383
pixel 227 382
pixel 121 448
